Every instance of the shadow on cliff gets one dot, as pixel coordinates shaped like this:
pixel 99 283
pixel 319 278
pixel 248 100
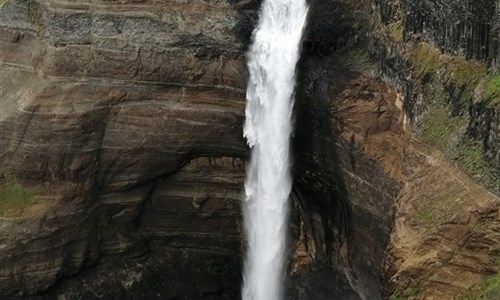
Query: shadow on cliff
pixel 320 188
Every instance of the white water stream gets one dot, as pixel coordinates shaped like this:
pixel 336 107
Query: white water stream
pixel 268 127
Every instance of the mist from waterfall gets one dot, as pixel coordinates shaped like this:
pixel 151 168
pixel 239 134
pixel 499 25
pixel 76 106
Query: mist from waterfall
pixel 268 127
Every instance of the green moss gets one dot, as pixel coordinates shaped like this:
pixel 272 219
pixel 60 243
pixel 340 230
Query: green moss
pixel 444 131
pixel 463 75
pixel 453 71
pixel 14 197
pixel 358 59
pixel 489 289
pixel 469 155
pixel 439 127
pixel 492 91
pixel 395 30
pixel 1 3
pixel 409 293
pixel 424 59
pixel 35 15
pixel 427 216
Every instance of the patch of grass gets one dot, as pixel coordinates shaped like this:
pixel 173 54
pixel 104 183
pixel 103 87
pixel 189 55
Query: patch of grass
pixel 439 127
pixel 489 289
pixel 14 197
pixel 425 59
pixel 409 293
pixel 358 59
pixel 395 30
pixel 470 156
pixel 35 15
pixel 427 216
pixel 492 91
pixel 464 75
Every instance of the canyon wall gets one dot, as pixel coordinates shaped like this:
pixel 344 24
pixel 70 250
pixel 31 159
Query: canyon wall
pixel 122 154
pixel 124 118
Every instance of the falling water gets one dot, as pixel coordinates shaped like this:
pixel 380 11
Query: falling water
pixel 268 127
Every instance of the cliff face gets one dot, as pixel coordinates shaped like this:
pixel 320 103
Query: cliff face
pixel 123 160
pixel 449 51
pixel 444 57
pixel 466 28
pixel 102 101
pixel 439 222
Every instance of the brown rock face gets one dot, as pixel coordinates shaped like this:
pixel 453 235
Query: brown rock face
pixel 101 103
pixel 446 232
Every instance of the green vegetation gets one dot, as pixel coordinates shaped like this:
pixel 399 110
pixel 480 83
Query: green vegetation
pixel 424 59
pixel 427 216
pixel 14 198
pixel 490 289
pixel 444 76
pixel 396 31
pixel 439 127
pixel 453 71
pixel 469 154
pixel 35 15
pixel 1 3
pixel 492 92
pixel 358 59
pixel 409 293
pixel 464 75
pixel 444 131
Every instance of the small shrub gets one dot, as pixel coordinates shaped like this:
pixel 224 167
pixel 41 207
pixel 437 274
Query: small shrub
pixel 358 59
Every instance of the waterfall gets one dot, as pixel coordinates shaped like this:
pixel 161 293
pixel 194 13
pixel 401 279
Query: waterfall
pixel 268 126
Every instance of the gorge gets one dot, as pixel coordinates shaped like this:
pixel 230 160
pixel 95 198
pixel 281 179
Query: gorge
pixel 123 160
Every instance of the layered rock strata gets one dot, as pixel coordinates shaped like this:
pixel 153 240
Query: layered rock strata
pixel 102 102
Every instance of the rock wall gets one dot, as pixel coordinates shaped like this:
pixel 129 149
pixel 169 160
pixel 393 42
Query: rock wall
pixel 466 28
pixel 103 102
pixel 444 57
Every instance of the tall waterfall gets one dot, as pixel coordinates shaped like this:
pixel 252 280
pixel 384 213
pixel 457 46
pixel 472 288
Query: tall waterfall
pixel 268 127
